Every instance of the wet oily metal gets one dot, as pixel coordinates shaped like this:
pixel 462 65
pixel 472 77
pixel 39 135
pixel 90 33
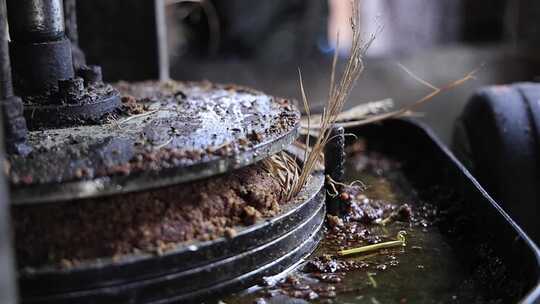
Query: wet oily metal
pixel 162 126
pixel 426 270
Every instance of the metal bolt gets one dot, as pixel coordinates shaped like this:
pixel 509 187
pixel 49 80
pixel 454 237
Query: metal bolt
pixel 71 90
pixel 334 163
pixel 91 74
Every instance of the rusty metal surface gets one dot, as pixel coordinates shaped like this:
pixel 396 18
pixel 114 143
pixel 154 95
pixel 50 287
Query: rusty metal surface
pixel 71 106
pixel 268 246
pixel 182 132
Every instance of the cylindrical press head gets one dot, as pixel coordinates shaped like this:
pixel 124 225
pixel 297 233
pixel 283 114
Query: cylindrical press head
pixel 36 20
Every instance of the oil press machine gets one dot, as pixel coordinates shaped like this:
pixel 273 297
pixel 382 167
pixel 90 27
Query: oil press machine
pixel 156 192
pixel 81 153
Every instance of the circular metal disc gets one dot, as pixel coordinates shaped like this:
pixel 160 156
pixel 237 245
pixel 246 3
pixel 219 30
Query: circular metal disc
pixel 104 101
pixel 186 268
pixel 182 274
pixel 169 133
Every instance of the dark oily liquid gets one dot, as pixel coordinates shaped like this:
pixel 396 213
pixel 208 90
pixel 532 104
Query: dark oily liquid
pixel 426 270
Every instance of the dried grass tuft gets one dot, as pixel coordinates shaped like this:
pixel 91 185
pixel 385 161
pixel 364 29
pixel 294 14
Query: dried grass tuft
pixel 293 176
pixel 282 165
pixel 337 97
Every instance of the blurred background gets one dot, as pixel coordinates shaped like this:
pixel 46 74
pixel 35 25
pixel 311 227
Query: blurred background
pixel 263 43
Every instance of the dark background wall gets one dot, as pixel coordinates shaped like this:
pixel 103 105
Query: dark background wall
pixel 263 43
pixel 119 35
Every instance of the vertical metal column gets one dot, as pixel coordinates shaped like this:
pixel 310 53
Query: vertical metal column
pixel 8 280
pixel 161 29
pixel 6 86
pixel 36 20
pixel 70 16
pixel 40 51
pixel 14 124
pixel 72 33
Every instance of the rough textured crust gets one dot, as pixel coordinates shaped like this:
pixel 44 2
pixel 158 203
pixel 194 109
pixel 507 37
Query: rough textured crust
pixel 182 124
pixel 150 221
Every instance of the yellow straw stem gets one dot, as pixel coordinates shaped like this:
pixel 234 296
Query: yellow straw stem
pixel 401 241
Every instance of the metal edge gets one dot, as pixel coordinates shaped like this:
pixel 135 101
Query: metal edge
pixel 106 186
pixel 108 272
pixel 277 266
pixel 433 137
pixel 533 295
pixel 152 290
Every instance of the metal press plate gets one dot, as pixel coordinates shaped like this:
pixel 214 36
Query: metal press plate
pixel 186 268
pixel 268 247
pixel 169 133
